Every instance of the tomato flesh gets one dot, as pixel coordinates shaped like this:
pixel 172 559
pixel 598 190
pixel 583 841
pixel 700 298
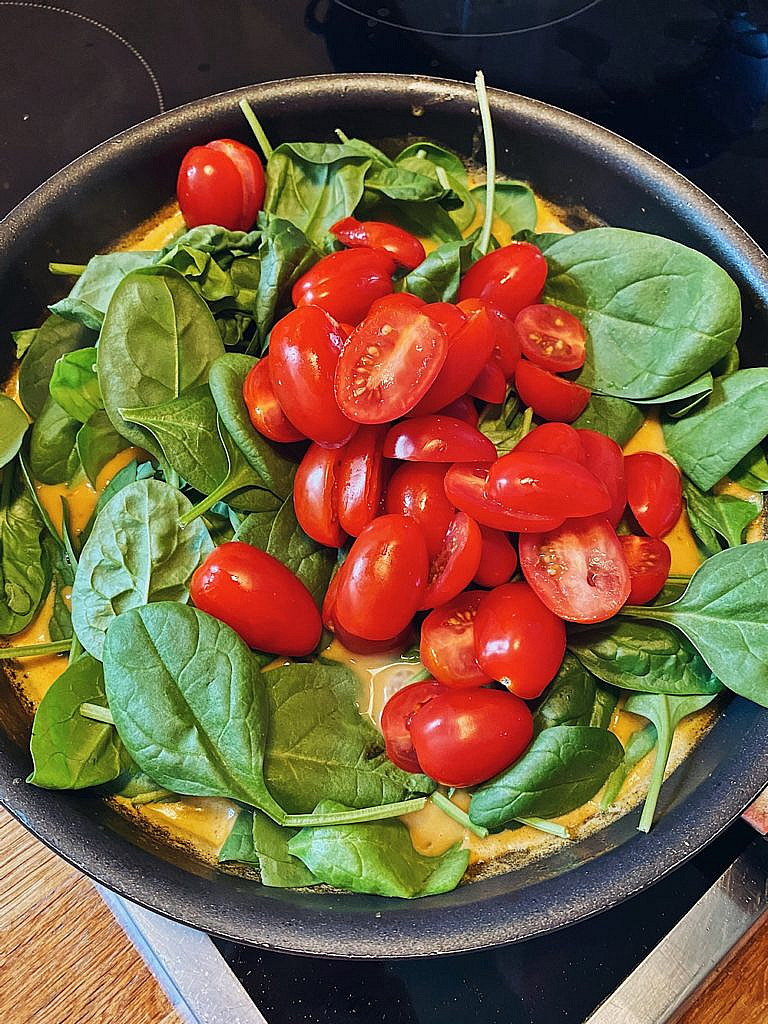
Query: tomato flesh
pixel 396 721
pixel 605 460
pixel 551 397
pixel 510 278
pixel 539 483
pixel 417 490
pixel 465 487
pixel 649 560
pixel 264 410
pixel 654 492
pixel 437 439
pixel 221 183
pixel 361 479
pixel 448 642
pixel 555 439
pixel 316 495
pixel 468 350
pixel 498 559
pixel 452 569
pixel 551 337
pixel 345 283
pixel 404 248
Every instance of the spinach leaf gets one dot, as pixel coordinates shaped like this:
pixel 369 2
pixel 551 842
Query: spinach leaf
pixel 136 786
pixel 713 515
pixel 201 270
pixel 53 339
pixel 23 339
pixel 87 302
pixel 24 568
pixel 239 843
pixel 437 278
pixel 612 416
pixel 68 750
pixel 713 439
pixel 405 184
pixel 127 475
pixel 74 385
pixel 441 165
pixel 13 427
pixel 62 576
pixel 219 242
pixel 728 364
pixel 513 202
pixel 376 857
pixel 285 253
pixel 658 314
pixel 561 770
pixel 505 424
pixel 687 397
pixel 571 699
pixel 136 553
pixel 640 743
pixel 751 472
pixel 256 527
pixel 53 456
pixel 256 839
pixel 97 442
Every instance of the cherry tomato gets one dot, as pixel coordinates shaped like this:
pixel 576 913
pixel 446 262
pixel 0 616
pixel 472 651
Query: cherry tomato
pixel 538 483
pixel 551 397
pixel 649 560
pixel 465 487
pixel 448 642
pixel 345 283
pixel 353 643
pixel 552 337
pixel 498 559
pixel 506 342
pixel 388 364
pixel 452 569
pixel 316 495
pixel 605 460
pixel 556 439
pixel 404 248
pixel 462 409
pixel 469 349
pixel 490 385
pixel 264 410
pixel 221 183
pixel 437 439
pixel 383 579
pixel 654 492
pixel 303 353
pixel 578 570
pixel 361 479
pixel 464 737
pixel 449 316
pixel 518 640
pixel 393 301
pixel 328 611
pixel 416 490
pixel 259 598
pixel 510 278
pixel 396 722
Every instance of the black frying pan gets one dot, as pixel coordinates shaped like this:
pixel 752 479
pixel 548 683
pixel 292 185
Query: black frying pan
pixel 81 210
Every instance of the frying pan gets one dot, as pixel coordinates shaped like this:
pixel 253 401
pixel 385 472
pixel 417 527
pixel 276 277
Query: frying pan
pixel 111 189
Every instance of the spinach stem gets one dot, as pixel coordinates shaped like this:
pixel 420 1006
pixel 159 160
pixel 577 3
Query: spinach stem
pixel 490 162
pixel 354 816
pixel 543 825
pixel 35 650
pixel 258 131
pixel 442 177
pixel 97 713
pixel 665 732
pixel 67 269
pixel 527 421
pixel 341 135
pixel 449 807
pixel 217 494
pixel 75 650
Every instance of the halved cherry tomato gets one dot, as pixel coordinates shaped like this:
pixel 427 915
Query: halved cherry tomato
pixel 328 611
pixel 448 642
pixel 259 598
pixel 551 397
pixel 361 479
pixel 221 183
pixel 578 570
pixel 462 409
pixel 416 490
pixel 498 559
pixel 345 283
pixel 437 439
pixel 468 350
pixel 357 644
pixel 464 737
pixel 654 492
pixel 383 579
pixel 396 722
pixel 449 316
pixel 465 485
pixel 394 300
pixel 518 640
pixel 648 559
pixel 510 278
pixel 506 342
pixel 404 248
pixel 538 483
pixel 303 353
pixel 490 385
pixel 556 439
pixel 264 410
pixel 605 460
pixel 452 569
pixel 552 337
pixel 388 364
pixel 316 495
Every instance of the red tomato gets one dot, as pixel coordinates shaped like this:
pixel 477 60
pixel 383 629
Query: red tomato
pixel 448 642
pixel 388 364
pixel 605 460
pixel 404 248
pixel 437 439
pixel 449 316
pixel 654 492
pixel 396 722
pixel 316 495
pixel 555 439
pixel 510 278
pixel 303 353
pixel 551 397
pixel 452 569
pixel 465 486
pixel 361 479
pixel 464 737
pixel 393 301
pixel 578 570
pixel 518 640
pixel 383 579
pixel 490 385
pixel 649 560
pixel 469 349
pixel 462 409
pixel 353 643
pixel 506 342
pixel 416 490
pixel 498 559
pixel 221 183
pixel 538 483
pixel 259 598
pixel 552 337
pixel 328 611
pixel 264 410
pixel 345 283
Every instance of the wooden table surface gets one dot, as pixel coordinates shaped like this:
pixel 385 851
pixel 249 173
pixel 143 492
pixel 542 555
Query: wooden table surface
pixel 64 959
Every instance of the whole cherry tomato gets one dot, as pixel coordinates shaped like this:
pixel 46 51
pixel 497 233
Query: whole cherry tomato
pixel 316 495
pixel 468 350
pixel 437 439
pixel 654 492
pixel 361 479
pixel 518 640
pixel 303 353
pixel 396 722
pixel 452 569
pixel 388 364
pixel 552 337
pixel 448 642
pixel 264 410
pixel 449 316
pixel 357 644
pixel 490 385
pixel 462 409
pixel 465 487
pixel 221 183
pixel 556 439
pixel 648 559
pixel 510 278
pixel 506 342
pixel 383 579
pixel 404 248
pixel 605 460
pixel 538 483
pixel 464 737
pixel 416 490
pixel 578 570
pixel 259 598
pixel 345 283
pixel 551 397
pixel 498 559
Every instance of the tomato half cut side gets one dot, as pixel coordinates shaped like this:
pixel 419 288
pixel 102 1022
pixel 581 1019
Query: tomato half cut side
pixel 578 570
pixel 551 337
pixel 396 721
pixel 465 487
pixel 654 492
pixel 448 642
pixel 316 495
pixel 605 460
pixel 649 560
pixel 539 483
pixel 437 439
pixel 345 283
pixel 551 397
pixel 416 490
pixel 555 439
pixel 510 278
pixel 404 248
pixel 498 559
pixel 452 569
pixel 469 348
pixel 264 410
pixel 490 385
pixel 361 479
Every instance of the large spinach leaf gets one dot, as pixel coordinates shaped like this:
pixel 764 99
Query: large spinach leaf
pixel 97 442
pixel 53 339
pixel 285 253
pixel 53 456
pixel 13 427
pixel 202 271
pixel 574 697
pixel 612 416
pixel 437 278
pixel 127 475
pixel 717 515
pixel 87 302
pixel 752 471
pixel 513 202
pixel 24 568
pixel 74 385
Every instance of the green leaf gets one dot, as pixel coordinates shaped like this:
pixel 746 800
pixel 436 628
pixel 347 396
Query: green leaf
pixel 612 416
pixel 13 427
pixel 239 843
pixel 87 302
pixel 23 339
pixel 751 472
pixel 639 745
pixel 53 456
pixel 404 184
pixel 513 202
pixel 256 839
pixel 711 515
pixel 97 442
pixel 505 424
pixel 74 385
pixel 127 475
pixel 24 569
pixel 219 242
pixel 425 158
pixel 285 253
pixel 53 339
pixel 571 699
pixel 437 278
